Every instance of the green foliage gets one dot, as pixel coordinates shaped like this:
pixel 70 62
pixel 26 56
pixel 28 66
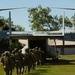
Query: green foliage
pixel 4 25
pixel 15 44
pixel 55 25
pixel 19 28
pixel 67 21
pixel 37 17
pixel 1 22
pixel 73 20
pixel 41 20
pixel 4 44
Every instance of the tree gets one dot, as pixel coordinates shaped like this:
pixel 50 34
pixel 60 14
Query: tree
pixel 67 21
pixel 15 44
pixel 18 28
pixel 41 20
pixel 4 25
pixel 73 20
pixel 4 43
pixel 55 23
pixel 1 22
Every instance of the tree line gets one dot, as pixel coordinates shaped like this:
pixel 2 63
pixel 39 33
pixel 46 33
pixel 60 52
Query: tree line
pixel 4 25
pixel 41 19
pixel 4 43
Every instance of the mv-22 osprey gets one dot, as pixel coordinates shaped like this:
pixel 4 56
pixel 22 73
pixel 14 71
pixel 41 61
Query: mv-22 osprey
pixel 41 42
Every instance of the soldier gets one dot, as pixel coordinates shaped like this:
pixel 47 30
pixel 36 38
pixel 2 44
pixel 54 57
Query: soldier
pixel 34 59
pixel 22 61
pixel 28 60
pixel 36 55
pixel 13 58
pixel 18 63
pixel 7 63
pixel 43 57
pixel 40 56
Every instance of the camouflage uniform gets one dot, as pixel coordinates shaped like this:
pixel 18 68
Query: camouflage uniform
pixel 28 59
pixel 22 61
pixel 18 61
pixel 43 57
pixel 34 59
pixel 40 56
pixel 36 55
pixel 7 63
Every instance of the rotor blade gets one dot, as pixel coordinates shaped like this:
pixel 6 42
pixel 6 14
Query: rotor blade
pixel 63 8
pixel 12 8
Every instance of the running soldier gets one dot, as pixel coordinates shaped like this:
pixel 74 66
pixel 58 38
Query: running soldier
pixel 40 56
pixel 34 59
pixel 18 61
pixel 36 55
pixel 28 60
pixel 7 63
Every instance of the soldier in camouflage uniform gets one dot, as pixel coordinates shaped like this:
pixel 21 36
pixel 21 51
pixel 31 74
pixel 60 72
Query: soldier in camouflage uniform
pixel 40 56
pixel 22 61
pixel 7 63
pixel 43 57
pixel 36 55
pixel 34 59
pixel 28 60
pixel 18 61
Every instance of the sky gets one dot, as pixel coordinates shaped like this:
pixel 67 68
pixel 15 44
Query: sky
pixel 20 16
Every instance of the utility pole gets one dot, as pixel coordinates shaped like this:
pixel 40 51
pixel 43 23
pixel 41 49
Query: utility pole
pixel 63 42
pixel 10 22
pixel 10 41
pixel 63 30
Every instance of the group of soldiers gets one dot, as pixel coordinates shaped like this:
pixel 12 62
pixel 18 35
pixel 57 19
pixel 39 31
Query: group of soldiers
pixel 22 62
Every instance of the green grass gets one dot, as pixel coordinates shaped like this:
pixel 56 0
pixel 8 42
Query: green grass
pixel 65 66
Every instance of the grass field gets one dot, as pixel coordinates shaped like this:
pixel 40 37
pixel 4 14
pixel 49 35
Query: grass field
pixel 65 66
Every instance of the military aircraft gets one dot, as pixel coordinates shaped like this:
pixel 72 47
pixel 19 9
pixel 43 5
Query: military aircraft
pixel 52 52
pixel 4 9
pixel 63 8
